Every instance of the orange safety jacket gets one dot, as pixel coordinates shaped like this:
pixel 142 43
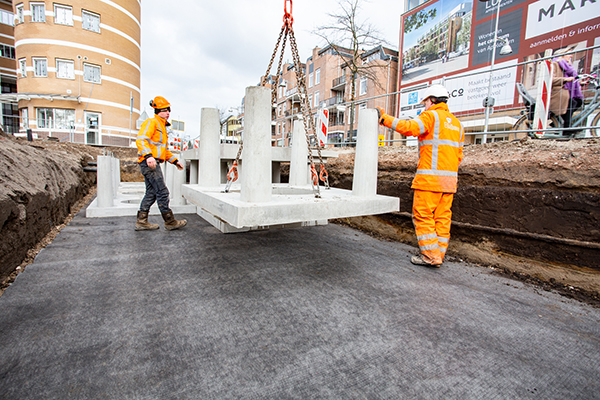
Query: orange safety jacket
pixel 152 141
pixel 441 140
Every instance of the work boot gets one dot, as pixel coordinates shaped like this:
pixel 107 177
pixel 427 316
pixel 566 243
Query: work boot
pixel 419 260
pixel 142 223
pixel 171 223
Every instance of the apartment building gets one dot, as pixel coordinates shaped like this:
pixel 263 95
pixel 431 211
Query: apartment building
pixel 8 70
pixel 328 87
pixel 287 105
pixel 78 69
pixel 382 64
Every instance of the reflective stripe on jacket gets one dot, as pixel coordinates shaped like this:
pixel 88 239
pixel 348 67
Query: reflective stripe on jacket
pixel 441 139
pixel 152 140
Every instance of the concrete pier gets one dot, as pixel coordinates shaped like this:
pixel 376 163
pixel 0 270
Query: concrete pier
pixel 298 165
pixel 209 148
pixel 256 184
pixel 364 183
pixel 105 177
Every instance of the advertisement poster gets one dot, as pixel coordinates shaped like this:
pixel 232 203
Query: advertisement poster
pixel 445 39
pixel 436 40
pixel 509 28
pixel 488 8
pixel 468 91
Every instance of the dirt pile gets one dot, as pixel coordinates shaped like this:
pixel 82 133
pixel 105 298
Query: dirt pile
pixel 40 181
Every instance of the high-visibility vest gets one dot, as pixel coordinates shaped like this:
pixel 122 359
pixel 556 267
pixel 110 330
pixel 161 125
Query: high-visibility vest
pixel 152 139
pixel 441 139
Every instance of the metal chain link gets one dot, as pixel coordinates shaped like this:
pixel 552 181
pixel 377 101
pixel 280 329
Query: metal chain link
pixel 306 109
pixel 262 83
pixel 304 104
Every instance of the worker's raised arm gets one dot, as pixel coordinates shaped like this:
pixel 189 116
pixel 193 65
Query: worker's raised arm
pixel 413 127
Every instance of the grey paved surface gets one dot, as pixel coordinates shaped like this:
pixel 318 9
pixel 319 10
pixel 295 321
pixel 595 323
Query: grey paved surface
pixel 311 313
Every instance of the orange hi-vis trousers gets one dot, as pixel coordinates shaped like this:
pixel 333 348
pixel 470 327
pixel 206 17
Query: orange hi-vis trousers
pixel 432 217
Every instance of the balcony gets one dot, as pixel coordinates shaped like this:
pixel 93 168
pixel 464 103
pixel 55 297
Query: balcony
pixel 332 101
pixel 339 83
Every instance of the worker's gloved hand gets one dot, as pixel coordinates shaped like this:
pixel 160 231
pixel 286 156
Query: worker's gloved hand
pixel 380 114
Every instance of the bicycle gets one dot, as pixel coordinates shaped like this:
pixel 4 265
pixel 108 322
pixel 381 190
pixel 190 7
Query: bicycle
pixel 525 122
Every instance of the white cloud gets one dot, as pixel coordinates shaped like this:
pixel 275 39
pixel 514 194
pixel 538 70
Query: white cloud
pixel 199 53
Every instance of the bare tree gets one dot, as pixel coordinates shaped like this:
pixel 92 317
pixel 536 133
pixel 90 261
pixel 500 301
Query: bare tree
pixel 349 37
pixel 224 114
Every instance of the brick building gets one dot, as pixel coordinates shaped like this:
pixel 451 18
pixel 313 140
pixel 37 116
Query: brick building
pixel 78 69
pixel 328 87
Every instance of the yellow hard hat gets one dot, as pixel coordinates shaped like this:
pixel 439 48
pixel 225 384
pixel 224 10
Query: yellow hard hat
pixel 159 103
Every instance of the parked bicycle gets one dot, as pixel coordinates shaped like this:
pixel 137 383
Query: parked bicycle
pixel 579 120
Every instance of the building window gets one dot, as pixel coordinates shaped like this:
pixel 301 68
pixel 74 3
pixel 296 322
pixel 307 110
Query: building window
pixel 363 86
pixel 65 69
pixel 38 12
pixel 310 99
pixel 318 76
pixel 55 118
pixel 90 21
pixel 19 15
pixel 91 73
pixel 316 99
pixel 25 117
pixel 310 80
pixel 23 66
pixel 7 18
pixel 40 67
pixel 63 15
pixel 7 51
pixel 45 118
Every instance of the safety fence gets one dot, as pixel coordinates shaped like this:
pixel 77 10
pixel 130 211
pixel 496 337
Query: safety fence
pixel 509 117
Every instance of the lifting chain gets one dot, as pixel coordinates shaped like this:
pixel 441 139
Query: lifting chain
pixel 287 30
pixel 232 175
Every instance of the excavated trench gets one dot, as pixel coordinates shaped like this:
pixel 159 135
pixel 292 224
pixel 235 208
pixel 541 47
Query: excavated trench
pixel 535 200
pixel 520 197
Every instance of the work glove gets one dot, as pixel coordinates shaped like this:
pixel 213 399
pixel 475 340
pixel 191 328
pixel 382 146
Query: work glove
pixel 380 114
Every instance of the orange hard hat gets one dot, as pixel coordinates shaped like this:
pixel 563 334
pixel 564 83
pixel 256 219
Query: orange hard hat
pixel 159 102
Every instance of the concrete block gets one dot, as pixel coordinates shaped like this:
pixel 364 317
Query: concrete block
pixel 288 205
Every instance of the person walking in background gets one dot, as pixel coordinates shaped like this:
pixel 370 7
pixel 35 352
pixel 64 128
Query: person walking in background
pixel 566 96
pixel 153 150
pixel 441 139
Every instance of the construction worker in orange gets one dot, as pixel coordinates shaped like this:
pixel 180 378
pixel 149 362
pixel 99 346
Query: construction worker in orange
pixel 441 139
pixel 153 150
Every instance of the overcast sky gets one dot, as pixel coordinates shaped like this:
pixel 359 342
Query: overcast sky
pixel 199 53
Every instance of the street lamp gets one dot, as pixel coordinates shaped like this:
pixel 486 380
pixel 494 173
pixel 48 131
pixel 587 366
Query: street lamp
pixel 488 102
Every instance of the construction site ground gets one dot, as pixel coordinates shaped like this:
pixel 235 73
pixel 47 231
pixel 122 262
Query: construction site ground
pixel 318 312
pixel 308 313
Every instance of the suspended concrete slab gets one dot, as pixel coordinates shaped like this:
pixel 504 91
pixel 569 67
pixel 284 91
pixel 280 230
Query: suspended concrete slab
pixel 257 203
pixel 289 207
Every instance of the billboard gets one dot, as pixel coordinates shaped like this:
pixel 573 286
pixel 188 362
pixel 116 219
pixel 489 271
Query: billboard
pixel 449 41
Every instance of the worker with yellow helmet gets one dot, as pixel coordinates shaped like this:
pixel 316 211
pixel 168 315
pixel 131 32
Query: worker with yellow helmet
pixel 152 151
pixel 441 139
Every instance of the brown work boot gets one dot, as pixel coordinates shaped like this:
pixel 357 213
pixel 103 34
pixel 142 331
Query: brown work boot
pixel 420 260
pixel 142 223
pixel 171 223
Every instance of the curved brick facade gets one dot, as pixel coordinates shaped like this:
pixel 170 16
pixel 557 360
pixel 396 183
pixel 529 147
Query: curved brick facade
pixel 78 65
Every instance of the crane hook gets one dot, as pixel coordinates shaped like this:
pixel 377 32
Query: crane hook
pixel 287 16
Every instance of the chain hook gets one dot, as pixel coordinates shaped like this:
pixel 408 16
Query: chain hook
pixel 287 16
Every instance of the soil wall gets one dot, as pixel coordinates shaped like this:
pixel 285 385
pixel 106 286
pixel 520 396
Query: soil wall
pixel 39 183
